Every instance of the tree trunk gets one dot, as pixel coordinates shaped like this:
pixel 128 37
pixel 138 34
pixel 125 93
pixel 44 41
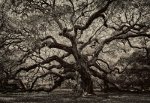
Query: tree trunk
pixel 86 82
pixel 87 85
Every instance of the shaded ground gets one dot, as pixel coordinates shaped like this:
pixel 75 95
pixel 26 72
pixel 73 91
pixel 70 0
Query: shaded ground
pixel 70 97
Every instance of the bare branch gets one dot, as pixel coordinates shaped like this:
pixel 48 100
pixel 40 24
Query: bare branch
pixel 93 17
pixel 48 60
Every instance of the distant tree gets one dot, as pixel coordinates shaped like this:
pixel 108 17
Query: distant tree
pixel 136 70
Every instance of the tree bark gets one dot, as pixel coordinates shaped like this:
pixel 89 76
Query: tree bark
pixel 86 80
pixel 87 84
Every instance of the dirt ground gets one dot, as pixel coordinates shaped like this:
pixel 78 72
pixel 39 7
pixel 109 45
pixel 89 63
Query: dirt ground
pixel 63 96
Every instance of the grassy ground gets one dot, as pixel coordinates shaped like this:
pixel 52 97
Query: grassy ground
pixel 70 97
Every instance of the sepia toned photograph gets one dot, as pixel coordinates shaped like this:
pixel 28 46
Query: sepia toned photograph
pixel 74 51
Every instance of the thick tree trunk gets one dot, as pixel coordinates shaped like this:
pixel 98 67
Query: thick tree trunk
pixel 86 82
pixel 87 85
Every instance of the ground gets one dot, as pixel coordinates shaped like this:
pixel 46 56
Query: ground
pixel 63 96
